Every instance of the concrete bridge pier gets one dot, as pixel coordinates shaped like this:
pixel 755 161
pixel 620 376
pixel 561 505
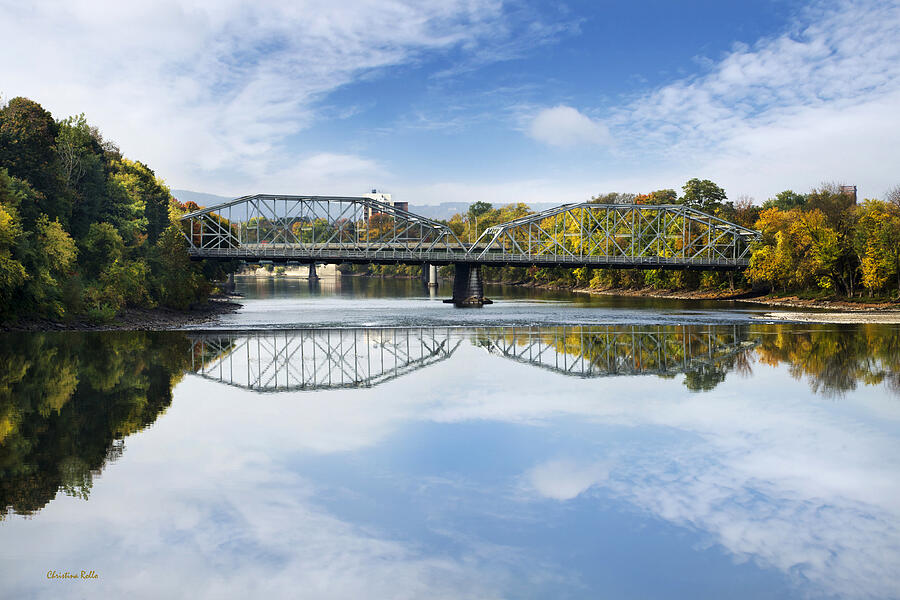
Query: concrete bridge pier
pixel 312 272
pixel 468 289
pixel 429 275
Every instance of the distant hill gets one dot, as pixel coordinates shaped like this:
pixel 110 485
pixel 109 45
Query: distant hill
pixel 199 197
pixel 444 210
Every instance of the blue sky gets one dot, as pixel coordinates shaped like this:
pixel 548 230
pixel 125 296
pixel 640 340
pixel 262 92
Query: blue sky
pixel 465 100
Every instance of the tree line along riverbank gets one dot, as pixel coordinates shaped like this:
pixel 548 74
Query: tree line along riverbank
pixel 822 247
pixel 85 232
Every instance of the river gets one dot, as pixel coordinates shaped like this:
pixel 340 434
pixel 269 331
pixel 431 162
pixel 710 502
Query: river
pixel 361 439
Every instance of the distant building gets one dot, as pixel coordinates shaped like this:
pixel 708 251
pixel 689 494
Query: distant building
pixel 849 190
pixel 385 198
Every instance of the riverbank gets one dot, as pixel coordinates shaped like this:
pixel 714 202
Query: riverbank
pixel 745 295
pixel 889 311
pixel 814 310
pixel 136 319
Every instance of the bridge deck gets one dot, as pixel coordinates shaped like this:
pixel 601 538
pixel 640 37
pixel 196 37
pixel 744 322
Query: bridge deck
pixel 436 257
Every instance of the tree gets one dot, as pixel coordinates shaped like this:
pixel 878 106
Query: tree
pixel 798 250
pixel 877 242
pixel 786 200
pixel 841 215
pixel 703 195
pixel 100 248
pixel 75 220
pixel 83 172
pixel 893 196
pixel 147 190
pixel 73 144
pixel 666 196
pixel 479 208
pixel 744 212
pixel 12 273
pixel 124 211
pixel 27 151
pixel 179 284
pixel 832 202
pixel 613 198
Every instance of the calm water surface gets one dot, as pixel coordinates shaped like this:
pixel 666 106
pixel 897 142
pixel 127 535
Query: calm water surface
pixel 363 440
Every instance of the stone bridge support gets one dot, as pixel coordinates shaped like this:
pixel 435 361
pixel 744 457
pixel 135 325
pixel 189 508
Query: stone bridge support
pixel 468 288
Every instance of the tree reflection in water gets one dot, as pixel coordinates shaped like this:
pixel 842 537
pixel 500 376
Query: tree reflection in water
pixel 68 400
pixel 835 359
pixel 703 354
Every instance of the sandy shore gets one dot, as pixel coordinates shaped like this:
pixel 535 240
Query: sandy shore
pixel 858 316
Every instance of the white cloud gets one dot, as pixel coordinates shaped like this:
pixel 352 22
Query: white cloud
pixel 564 126
pixel 816 103
pixel 208 93
pixel 326 173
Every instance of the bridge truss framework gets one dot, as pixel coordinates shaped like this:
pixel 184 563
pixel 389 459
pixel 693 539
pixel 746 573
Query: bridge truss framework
pixel 364 230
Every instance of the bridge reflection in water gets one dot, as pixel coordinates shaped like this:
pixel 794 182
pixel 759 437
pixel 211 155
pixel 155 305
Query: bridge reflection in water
pixel 316 359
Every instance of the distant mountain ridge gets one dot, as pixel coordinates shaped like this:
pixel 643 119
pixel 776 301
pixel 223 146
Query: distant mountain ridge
pixel 444 210
pixel 200 198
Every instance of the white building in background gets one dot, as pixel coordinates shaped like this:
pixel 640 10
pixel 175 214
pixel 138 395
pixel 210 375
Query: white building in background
pixel 385 198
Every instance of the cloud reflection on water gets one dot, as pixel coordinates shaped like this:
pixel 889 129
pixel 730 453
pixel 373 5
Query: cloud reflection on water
pixel 758 467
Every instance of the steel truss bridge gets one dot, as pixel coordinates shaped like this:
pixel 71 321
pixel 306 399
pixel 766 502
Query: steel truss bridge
pixel 306 360
pixel 326 229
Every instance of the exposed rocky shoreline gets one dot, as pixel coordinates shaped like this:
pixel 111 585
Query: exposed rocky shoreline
pixel 821 311
pixel 136 319
pixel 750 297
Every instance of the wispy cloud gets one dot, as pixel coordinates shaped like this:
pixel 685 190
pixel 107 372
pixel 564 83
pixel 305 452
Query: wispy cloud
pixel 817 102
pixel 208 93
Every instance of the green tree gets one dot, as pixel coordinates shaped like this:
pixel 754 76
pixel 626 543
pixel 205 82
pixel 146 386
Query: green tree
pixel 613 198
pixel 27 151
pixel 12 273
pixel 786 200
pixel 83 171
pixel 147 191
pixel 666 196
pixel 80 224
pixel 877 242
pixel 101 247
pixel 703 195
pixel 477 209
pixel 178 282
